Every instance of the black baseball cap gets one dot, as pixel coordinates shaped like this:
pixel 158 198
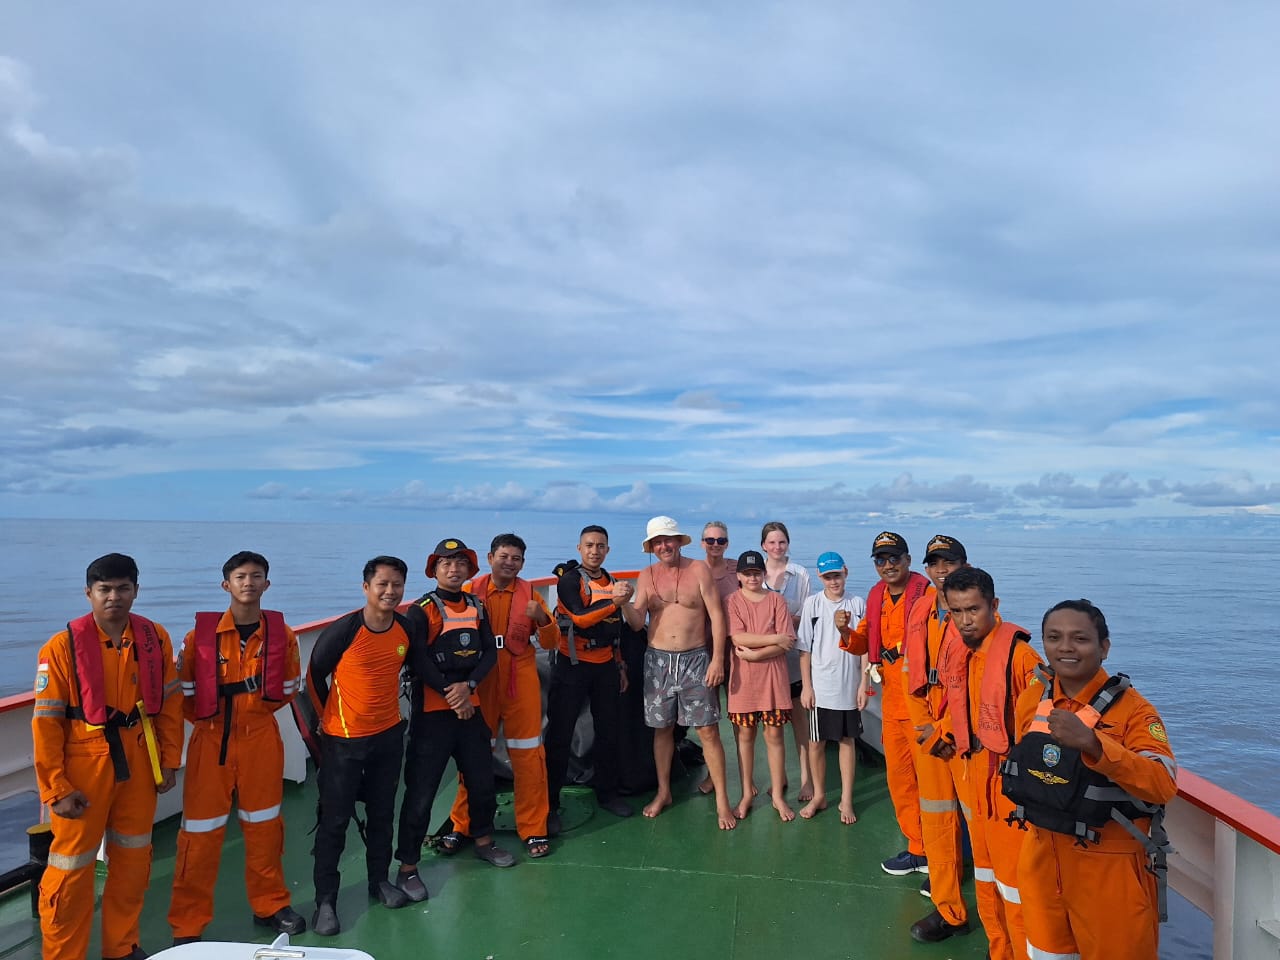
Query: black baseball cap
pixel 750 560
pixel 889 542
pixel 948 548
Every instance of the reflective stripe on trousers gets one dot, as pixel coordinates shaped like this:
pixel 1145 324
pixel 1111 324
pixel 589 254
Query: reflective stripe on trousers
pixel 130 840
pixel 258 816
pixel 1035 953
pixel 63 862
pixel 938 806
pixel 1010 894
pixel 207 825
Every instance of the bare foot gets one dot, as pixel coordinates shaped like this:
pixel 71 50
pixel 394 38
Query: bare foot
pixel 706 787
pixel 727 820
pixel 806 792
pixel 785 813
pixel 743 808
pixel 657 805
pixel 847 814
pixel 812 807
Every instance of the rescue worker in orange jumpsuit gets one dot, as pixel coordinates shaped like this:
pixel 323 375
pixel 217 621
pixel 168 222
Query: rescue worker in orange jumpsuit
pixel 1100 898
pixel 927 625
pixel 511 696
pixel 237 668
pixel 108 738
pixel 884 631
pixel 982 677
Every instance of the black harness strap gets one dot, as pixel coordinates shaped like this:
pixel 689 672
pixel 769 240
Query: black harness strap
pixel 115 719
pixel 228 692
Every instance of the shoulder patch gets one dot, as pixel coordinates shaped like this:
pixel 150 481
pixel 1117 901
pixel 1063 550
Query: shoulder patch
pixel 1156 729
pixel 42 681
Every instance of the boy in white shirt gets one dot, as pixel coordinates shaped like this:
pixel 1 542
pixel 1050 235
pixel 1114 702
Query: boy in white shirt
pixel 833 683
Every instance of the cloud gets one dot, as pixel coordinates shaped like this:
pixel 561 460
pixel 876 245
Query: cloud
pixel 961 490
pixel 1116 489
pixel 700 400
pixel 1240 491
pixel 614 258
pixel 563 497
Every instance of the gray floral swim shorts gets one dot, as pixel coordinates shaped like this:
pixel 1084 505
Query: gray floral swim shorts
pixel 675 689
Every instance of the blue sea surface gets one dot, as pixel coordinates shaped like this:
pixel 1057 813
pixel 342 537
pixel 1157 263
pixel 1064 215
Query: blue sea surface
pixel 1189 622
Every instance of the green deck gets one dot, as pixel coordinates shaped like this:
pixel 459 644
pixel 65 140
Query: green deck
pixel 617 888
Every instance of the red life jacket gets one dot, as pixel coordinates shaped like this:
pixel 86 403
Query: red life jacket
pixel 916 586
pixel 86 663
pixel 519 628
pixel 993 722
pixel 205 671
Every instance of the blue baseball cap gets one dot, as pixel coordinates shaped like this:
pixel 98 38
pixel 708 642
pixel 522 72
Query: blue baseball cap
pixel 830 562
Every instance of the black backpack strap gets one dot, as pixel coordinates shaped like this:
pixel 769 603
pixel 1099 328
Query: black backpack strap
pixel 1111 691
pixel 1020 636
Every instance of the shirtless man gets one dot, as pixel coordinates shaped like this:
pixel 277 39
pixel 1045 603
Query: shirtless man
pixel 680 673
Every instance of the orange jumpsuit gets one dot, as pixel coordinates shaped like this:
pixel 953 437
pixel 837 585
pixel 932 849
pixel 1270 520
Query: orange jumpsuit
pixel 70 755
pixel 899 731
pixel 996 844
pixel 511 696
pixel 254 771
pixel 1099 900
pixel 939 796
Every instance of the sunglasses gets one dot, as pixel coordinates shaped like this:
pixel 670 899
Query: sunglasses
pixel 718 541
pixel 886 560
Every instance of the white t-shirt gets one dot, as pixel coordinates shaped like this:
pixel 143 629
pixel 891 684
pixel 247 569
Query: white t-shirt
pixel 835 672
pixel 796 586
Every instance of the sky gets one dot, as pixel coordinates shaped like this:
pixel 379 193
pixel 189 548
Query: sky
pixel 846 260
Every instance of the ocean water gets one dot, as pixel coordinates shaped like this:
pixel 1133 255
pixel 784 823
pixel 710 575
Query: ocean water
pixel 1190 622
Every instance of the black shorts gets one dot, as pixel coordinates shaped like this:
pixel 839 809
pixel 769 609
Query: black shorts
pixel 796 688
pixel 835 725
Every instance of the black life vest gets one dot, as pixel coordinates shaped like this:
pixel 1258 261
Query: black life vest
pixel 457 648
pixel 1051 785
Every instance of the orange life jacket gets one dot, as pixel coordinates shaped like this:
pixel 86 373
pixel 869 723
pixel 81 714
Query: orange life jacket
pixel 86 664
pixel 274 650
pixel 922 673
pixel 916 586
pixel 994 720
pixel 519 628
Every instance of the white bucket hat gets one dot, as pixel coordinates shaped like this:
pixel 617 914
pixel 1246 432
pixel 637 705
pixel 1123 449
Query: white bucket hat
pixel 663 527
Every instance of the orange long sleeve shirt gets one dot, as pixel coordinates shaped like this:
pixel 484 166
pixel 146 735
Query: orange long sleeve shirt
pixel 498 604
pixel 55 735
pixel 893 633
pixel 1135 749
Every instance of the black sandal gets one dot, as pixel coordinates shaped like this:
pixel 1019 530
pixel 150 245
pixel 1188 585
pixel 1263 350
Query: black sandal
pixel 450 843
pixel 537 847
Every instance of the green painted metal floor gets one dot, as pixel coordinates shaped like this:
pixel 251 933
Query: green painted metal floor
pixel 616 888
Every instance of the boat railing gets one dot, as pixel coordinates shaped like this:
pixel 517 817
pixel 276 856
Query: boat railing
pixel 1226 859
